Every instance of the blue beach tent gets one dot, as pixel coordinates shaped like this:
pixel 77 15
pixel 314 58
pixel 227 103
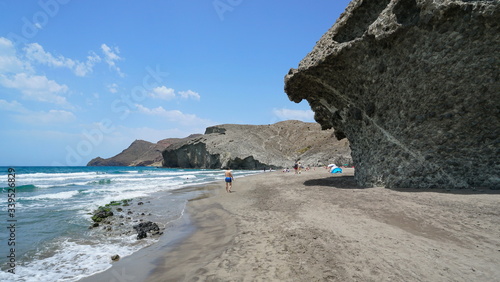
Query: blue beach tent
pixel 337 170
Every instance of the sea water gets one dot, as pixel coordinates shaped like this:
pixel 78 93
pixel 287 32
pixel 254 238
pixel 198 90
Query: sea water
pixel 45 234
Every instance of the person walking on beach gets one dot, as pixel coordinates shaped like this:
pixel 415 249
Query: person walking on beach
pixel 229 180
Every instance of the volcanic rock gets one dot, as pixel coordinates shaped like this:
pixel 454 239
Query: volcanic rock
pixel 276 145
pixel 145 227
pixel 101 213
pixel 414 85
pixel 139 153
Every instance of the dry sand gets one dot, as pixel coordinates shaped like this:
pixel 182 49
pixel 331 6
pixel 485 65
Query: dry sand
pixel 318 226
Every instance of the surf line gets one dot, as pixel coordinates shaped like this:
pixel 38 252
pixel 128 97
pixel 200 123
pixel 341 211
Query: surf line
pixel 11 221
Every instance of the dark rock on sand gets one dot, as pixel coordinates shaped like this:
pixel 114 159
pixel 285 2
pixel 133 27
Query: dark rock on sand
pixel 414 85
pixel 145 227
pixel 102 213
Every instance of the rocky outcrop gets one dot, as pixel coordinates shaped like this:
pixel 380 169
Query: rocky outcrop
pixel 258 146
pixel 111 220
pixel 101 213
pixel 144 228
pixel 139 153
pixel 414 85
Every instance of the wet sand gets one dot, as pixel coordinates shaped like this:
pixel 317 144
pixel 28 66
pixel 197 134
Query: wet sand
pixel 318 226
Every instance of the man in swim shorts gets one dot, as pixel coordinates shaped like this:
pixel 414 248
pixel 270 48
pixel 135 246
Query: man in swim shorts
pixel 229 180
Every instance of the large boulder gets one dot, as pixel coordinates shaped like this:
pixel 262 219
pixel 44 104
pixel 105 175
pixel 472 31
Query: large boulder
pixel 144 228
pixel 414 85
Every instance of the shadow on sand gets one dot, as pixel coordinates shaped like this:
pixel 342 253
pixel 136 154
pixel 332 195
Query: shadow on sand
pixel 342 182
pixel 348 182
pixel 456 191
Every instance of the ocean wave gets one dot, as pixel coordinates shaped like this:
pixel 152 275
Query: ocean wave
pixel 187 176
pixel 41 175
pixel 70 261
pixel 24 188
pixel 60 195
pixel 103 181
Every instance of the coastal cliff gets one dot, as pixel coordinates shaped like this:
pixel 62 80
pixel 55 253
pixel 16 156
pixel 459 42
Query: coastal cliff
pixel 414 85
pixel 139 153
pixel 277 145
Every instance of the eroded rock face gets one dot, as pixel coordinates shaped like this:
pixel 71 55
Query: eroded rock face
pixel 414 85
pixel 139 153
pixel 258 147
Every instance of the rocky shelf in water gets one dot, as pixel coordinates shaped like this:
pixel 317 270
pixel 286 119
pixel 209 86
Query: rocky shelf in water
pixel 124 218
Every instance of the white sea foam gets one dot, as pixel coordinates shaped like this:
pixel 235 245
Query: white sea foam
pixel 60 195
pixel 76 194
pixel 73 261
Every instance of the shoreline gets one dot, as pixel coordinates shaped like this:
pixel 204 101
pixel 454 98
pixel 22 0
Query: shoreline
pixel 136 267
pixel 321 227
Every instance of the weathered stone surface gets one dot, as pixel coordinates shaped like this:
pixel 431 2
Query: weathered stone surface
pixel 144 227
pixel 414 85
pixel 259 146
pixel 101 213
pixel 139 153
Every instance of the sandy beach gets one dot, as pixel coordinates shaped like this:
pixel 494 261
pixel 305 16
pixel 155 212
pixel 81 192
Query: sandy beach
pixel 318 226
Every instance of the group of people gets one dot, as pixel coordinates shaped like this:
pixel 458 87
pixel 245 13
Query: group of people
pixel 297 167
pixel 229 179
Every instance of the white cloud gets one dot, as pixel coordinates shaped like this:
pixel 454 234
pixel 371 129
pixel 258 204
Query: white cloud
pixel 173 115
pixel 286 114
pixel 81 69
pixel 36 118
pixel 13 106
pixel 35 52
pixel 36 87
pixel 111 56
pixel 166 93
pixel 46 118
pixel 189 94
pixel 9 62
pixel 17 74
pixel 163 93
pixel 113 88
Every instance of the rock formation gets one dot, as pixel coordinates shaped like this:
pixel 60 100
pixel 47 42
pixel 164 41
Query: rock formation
pixel 277 145
pixel 414 85
pixel 139 153
pixel 144 228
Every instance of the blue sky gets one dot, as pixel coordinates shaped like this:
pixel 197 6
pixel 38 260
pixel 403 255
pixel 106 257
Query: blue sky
pixel 81 79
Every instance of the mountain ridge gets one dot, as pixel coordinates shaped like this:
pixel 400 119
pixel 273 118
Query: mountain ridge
pixel 139 153
pixel 242 146
pixel 276 145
